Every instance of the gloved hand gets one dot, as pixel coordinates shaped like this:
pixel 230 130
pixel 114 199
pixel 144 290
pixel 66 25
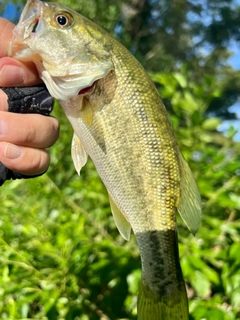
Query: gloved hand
pixel 26 100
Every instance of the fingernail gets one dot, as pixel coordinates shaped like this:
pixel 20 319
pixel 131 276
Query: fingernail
pixel 12 151
pixel 3 127
pixel 12 75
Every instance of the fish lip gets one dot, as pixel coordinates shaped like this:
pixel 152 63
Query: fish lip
pixel 29 23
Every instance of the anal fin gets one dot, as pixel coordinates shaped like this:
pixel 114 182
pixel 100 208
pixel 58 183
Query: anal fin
pixel 121 221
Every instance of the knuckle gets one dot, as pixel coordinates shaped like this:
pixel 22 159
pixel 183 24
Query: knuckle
pixel 53 132
pixel 30 134
pixel 40 161
pixel 56 128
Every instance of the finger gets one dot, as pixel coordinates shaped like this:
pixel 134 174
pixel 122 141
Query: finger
pixel 3 101
pixel 31 130
pixel 6 28
pixel 14 73
pixel 24 160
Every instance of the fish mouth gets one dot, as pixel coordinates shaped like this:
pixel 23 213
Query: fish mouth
pixel 29 24
pixel 88 90
pixel 64 75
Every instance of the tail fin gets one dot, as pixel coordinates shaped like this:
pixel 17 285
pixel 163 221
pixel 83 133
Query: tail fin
pixel 170 307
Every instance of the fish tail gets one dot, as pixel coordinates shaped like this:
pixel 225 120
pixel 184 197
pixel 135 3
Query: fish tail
pixel 152 306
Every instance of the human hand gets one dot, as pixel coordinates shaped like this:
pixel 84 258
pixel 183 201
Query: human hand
pixel 23 137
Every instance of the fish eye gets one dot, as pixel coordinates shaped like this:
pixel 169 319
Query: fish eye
pixel 63 19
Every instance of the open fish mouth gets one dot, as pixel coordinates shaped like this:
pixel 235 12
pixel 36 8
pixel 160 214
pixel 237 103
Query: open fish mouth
pixel 30 23
pixel 66 72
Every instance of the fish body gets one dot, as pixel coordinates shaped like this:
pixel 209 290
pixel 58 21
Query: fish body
pixel 120 121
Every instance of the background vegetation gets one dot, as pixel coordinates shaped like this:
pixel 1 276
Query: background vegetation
pixel 61 256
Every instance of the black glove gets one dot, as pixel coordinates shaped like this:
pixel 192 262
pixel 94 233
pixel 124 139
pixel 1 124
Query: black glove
pixel 26 100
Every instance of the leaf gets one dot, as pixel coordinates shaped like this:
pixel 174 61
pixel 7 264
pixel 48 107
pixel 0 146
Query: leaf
pixel 133 281
pixel 180 79
pixel 211 124
pixel 201 284
pixel 215 314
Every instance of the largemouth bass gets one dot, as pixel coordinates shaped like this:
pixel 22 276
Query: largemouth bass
pixel 120 121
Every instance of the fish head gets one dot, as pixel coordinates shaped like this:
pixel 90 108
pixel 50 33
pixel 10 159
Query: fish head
pixel 68 50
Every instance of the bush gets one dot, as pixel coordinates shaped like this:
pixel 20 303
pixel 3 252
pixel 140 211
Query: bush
pixel 62 257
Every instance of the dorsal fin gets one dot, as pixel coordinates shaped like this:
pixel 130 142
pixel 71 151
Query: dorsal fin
pixel 189 208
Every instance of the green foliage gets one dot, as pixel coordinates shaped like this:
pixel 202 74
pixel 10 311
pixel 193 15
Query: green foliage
pixel 210 261
pixel 62 257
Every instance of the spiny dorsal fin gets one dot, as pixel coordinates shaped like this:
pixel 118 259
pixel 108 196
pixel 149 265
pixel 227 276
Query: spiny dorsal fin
pixel 189 208
pixel 121 221
pixel 79 155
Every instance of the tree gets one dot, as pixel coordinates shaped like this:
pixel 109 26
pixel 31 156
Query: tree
pixel 164 35
pixel 62 257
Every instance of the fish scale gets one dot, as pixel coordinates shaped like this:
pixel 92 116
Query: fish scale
pixel 120 121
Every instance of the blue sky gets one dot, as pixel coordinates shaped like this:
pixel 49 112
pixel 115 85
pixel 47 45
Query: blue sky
pixel 234 60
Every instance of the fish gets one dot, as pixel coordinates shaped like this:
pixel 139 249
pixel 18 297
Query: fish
pixel 120 122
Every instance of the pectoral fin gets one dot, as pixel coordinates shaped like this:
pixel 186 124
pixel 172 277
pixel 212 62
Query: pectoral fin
pixel 79 155
pixel 86 112
pixel 190 203
pixel 121 221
